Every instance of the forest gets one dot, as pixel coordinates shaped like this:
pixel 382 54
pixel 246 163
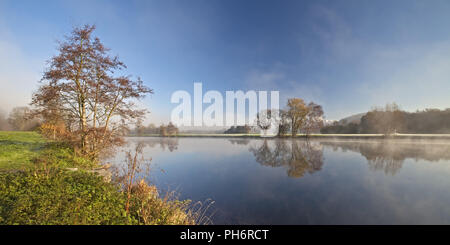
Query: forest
pixel 391 119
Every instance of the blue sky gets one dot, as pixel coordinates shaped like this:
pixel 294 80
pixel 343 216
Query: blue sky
pixel 346 55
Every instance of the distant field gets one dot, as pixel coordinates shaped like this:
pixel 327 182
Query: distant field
pixel 17 149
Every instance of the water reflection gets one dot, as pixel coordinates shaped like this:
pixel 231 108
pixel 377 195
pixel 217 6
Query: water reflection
pixel 164 143
pixel 306 156
pixel 299 157
pixel 294 181
pixel 389 155
pixel 239 141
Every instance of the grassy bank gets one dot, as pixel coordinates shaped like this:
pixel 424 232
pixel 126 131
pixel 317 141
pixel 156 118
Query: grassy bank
pixel 37 188
pixel 18 149
pixel 24 150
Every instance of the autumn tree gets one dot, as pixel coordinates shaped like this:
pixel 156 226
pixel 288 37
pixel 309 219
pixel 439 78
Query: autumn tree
pixel 296 112
pixel 86 87
pixel 299 158
pixel 49 107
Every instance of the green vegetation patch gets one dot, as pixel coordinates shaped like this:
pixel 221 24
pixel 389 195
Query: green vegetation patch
pixel 36 189
pixel 60 198
pixel 18 149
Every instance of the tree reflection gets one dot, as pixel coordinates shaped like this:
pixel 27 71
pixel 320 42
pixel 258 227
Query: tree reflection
pixel 239 141
pixel 170 144
pixel 299 157
pixel 389 156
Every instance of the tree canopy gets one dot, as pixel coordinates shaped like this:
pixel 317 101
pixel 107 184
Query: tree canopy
pixel 85 87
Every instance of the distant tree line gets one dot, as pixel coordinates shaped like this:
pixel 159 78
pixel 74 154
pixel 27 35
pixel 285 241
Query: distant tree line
pixel 239 130
pixel 169 130
pixel 391 119
pixel 151 129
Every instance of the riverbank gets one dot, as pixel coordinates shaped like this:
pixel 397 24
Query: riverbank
pixel 44 182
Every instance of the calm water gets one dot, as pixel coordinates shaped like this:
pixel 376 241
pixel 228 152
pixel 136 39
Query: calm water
pixel 285 181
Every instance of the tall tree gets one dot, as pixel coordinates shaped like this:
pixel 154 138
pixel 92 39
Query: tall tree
pixel 279 119
pixel 297 111
pixel 314 118
pixel 83 81
pixel 283 123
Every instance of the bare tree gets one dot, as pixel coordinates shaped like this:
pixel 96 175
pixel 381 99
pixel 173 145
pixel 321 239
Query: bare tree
pixel 277 118
pixel 81 84
pixel 283 123
pixel 314 118
pixel 264 119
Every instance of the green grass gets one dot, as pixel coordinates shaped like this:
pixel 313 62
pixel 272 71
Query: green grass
pixel 18 149
pixel 60 198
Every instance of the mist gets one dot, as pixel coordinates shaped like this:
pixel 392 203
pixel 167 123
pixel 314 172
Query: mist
pixel 4 125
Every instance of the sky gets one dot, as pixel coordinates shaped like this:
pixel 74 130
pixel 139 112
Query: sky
pixel 348 56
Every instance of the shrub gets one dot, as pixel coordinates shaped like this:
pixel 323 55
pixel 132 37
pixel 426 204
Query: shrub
pixel 150 209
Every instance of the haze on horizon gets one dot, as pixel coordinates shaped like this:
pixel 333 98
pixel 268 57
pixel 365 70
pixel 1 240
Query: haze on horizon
pixel 347 56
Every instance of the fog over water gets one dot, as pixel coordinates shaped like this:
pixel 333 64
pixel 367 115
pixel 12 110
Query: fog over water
pixel 293 181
